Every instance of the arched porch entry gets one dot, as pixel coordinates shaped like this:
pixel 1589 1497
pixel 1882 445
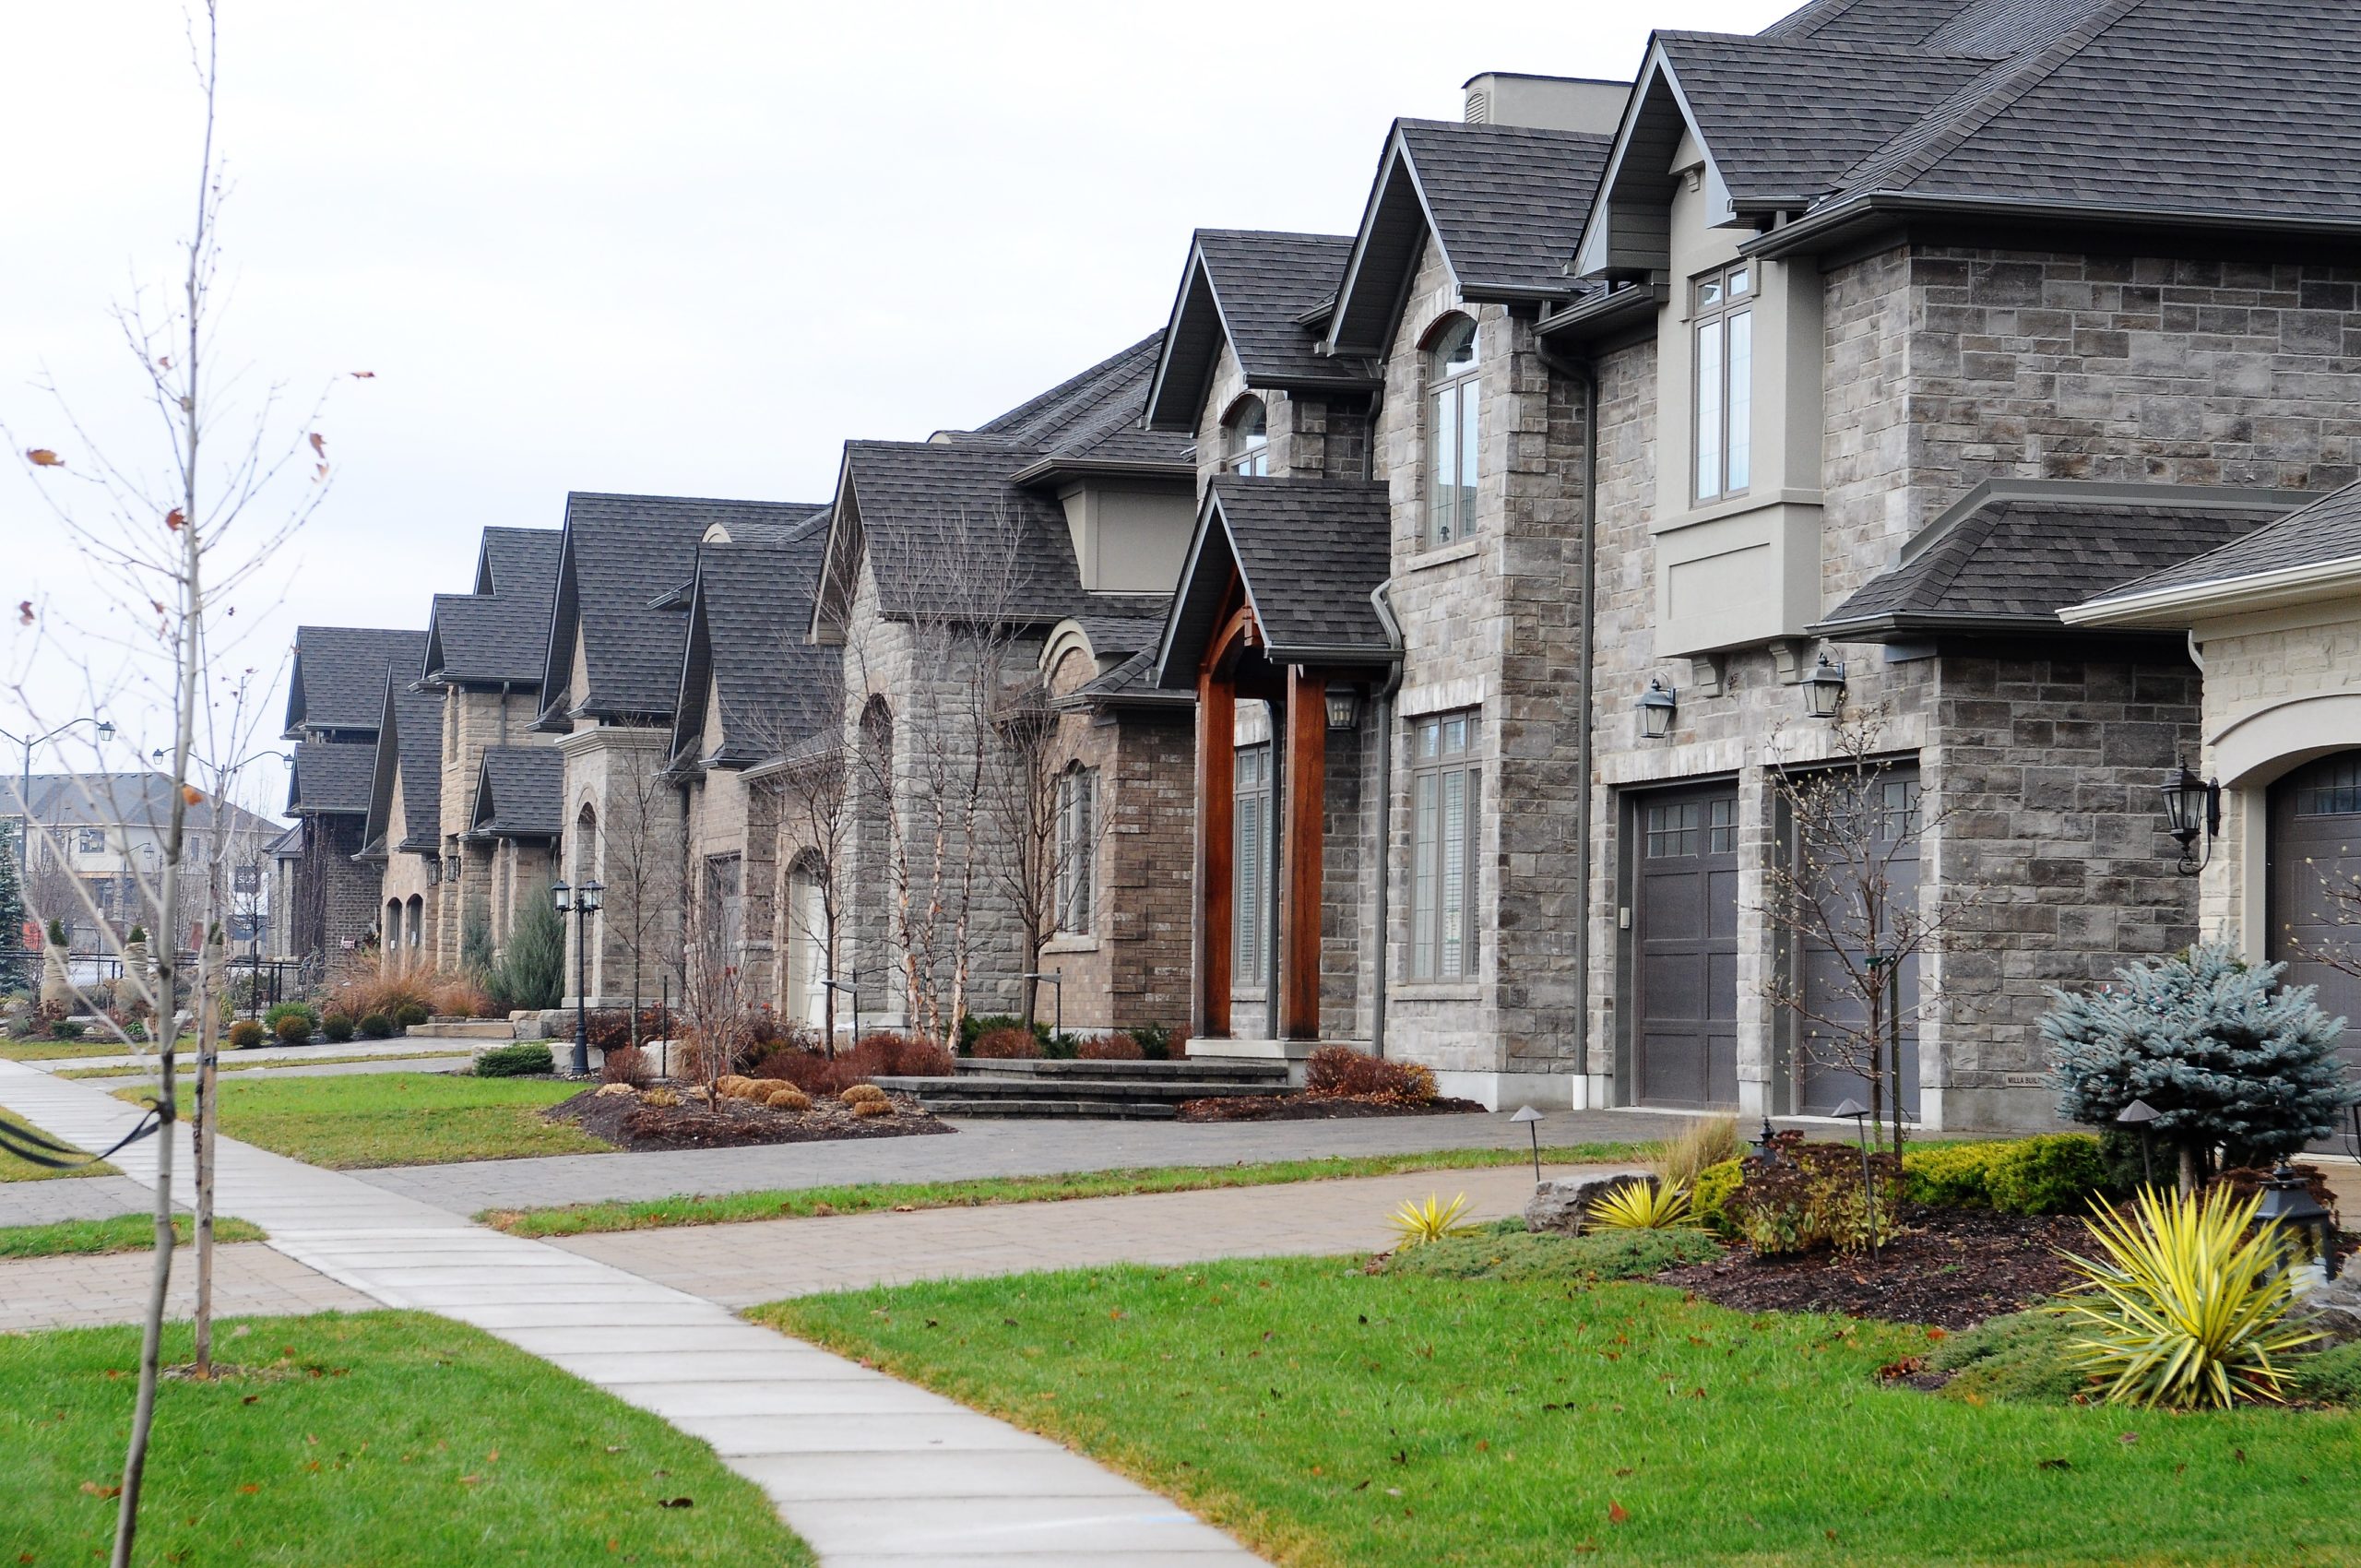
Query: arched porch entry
pixel 2312 888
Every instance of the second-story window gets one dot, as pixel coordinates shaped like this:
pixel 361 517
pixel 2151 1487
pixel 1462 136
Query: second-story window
pixel 1246 439
pixel 1723 318
pixel 90 841
pixel 1454 399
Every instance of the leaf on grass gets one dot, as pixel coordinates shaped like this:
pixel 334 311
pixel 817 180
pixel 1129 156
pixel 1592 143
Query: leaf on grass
pixel 2056 1464
pixel 676 1502
pixel 1616 1513
pixel 95 1489
pixel 250 1487
pixel 43 458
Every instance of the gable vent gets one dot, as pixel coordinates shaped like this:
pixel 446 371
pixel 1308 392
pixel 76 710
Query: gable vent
pixel 1479 108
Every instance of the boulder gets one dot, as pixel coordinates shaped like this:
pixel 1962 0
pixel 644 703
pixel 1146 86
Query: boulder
pixel 2332 1308
pixel 1564 1204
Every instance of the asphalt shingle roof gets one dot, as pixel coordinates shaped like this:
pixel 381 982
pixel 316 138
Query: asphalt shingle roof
pixel 1309 553
pixel 338 680
pixel 520 794
pixel 2007 555
pixel 333 777
pixel 139 799
pixel 1509 201
pixel 518 561
pixel 500 633
pixel 752 605
pixel 2327 531
pixel 418 737
pixel 1248 287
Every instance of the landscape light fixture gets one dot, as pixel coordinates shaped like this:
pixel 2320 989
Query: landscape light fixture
pixel 1858 1112
pixel 2143 1115
pixel 2192 806
pixel 2307 1231
pixel 1767 1145
pixel 1343 707
pixel 1658 704
pixel 1824 689
pixel 1058 981
pixel 1532 1119
pixel 581 903
pixel 852 985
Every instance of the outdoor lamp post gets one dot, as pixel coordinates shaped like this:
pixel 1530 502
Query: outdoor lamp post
pixel 1658 704
pixel 1767 1145
pixel 2192 806
pixel 581 903
pixel 1532 1119
pixel 853 986
pixel 1058 999
pixel 1824 689
pixel 2307 1232
pixel 1857 1111
pixel 2143 1115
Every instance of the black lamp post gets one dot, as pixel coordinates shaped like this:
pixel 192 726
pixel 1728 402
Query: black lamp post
pixel 852 985
pixel 1658 704
pixel 2192 806
pixel 581 903
pixel 2305 1230
pixel 1767 1144
pixel 1532 1119
pixel 1058 999
pixel 2143 1115
pixel 1857 1111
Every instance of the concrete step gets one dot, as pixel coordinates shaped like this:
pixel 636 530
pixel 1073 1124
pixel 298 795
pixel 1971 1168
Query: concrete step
pixel 478 1029
pixel 1102 1109
pixel 977 1087
pixel 1131 1072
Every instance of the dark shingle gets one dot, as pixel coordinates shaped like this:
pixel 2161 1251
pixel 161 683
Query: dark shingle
pixel 749 610
pixel 1248 287
pixel 332 776
pixel 520 794
pixel 137 799
pixel 520 561
pixel 2328 530
pixel 1309 553
pixel 417 722
pixel 500 632
pixel 1508 200
pixel 338 680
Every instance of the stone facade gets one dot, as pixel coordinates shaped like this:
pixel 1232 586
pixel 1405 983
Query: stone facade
pixel 624 828
pixel 474 718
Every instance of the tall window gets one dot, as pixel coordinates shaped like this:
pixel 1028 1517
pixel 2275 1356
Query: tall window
pixel 725 904
pixel 1246 439
pixel 1723 317
pixel 1077 846
pixel 1253 915
pixel 1452 397
pixel 1445 796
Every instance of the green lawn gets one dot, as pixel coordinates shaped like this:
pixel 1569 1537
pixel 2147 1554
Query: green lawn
pixel 232 1063
pixel 15 1170
pixel 119 1234
pixel 88 1045
pixel 1332 1418
pixel 380 1438
pixel 575 1219
pixel 376 1118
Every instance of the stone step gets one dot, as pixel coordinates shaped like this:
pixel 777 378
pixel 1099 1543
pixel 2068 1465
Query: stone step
pixel 976 1087
pixel 1103 1109
pixel 477 1028
pixel 1139 1072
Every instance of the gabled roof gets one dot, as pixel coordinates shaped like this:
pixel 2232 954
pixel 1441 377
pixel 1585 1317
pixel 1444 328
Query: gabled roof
pixel 517 561
pixel 1252 290
pixel 621 552
pixel 2011 554
pixel 750 607
pixel 409 751
pixel 520 794
pixel 2315 549
pixel 499 632
pixel 332 778
pixel 1504 203
pixel 338 677
pixel 134 799
pixel 1309 553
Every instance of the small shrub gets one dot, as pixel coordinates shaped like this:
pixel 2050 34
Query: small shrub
pixel 1553 1256
pixel 663 1099
pixel 527 1060
pixel 863 1094
pixel 1156 1041
pixel 1643 1205
pixel 2024 1356
pixel 975 1026
pixel 1709 1198
pixel 460 997
pixel 1340 1072
pixel 245 1034
pixel 789 1099
pixel 281 1011
pixel 1811 1198
pixel 873 1056
pixel 1416 1224
pixel 1018 1044
pixel 874 1108
pixel 2190 1310
pixel 336 1028
pixel 2332 1377
pixel 628 1067
pixel 1950 1175
pixel 410 1015
pixel 1709 1140
pixel 376 1025
pixel 2057 1173
pixel 1111 1048
pixel 65 1028
pixel 294 1029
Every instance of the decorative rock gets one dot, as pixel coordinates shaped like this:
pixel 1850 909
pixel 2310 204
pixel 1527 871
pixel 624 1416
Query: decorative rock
pixel 1565 1205
pixel 2333 1309
pixel 615 1092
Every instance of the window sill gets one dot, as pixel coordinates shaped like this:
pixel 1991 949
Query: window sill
pixel 1443 555
pixel 1436 991
pixel 1735 506
pixel 1057 944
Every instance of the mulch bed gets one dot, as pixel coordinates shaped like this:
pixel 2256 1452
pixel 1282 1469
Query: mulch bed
pixel 1311 1108
pixel 1950 1268
pixel 628 1124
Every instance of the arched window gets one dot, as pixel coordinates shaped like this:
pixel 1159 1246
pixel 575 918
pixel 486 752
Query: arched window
pixel 1246 439
pixel 414 931
pixel 1453 399
pixel 389 941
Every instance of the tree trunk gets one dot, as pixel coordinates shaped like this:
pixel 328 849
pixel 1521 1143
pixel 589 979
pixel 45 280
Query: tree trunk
pixel 205 1133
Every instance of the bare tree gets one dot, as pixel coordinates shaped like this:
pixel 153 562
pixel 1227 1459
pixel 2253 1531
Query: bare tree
pixel 1048 819
pixel 715 1008
pixel 157 547
pixel 1848 893
pixel 645 872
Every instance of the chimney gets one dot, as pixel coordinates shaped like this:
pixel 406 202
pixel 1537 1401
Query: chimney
pixel 1558 103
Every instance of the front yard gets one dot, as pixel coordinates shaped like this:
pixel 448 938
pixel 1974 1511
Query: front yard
pixel 12 1169
pixel 383 1438
pixel 380 1119
pixel 1332 1417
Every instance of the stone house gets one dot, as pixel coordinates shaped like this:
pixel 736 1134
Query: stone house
pixel 336 703
pixel 1840 358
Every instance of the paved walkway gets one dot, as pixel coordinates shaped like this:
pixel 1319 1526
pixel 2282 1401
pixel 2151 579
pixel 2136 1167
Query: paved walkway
pixel 249 1281
pixel 872 1472
pixel 740 1264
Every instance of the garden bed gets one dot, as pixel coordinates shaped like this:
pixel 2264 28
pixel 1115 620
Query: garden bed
pixel 1950 1268
pixel 630 1122
pixel 1314 1107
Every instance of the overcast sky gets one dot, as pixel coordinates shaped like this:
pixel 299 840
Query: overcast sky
pixel 686 249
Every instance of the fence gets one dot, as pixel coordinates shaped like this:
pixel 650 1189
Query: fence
pixel 256 983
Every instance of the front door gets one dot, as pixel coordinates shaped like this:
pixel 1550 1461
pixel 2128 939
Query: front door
pixel 1684 947
pixel 2314 893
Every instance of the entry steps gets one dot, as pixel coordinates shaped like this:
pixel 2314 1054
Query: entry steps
pixel 1120 1090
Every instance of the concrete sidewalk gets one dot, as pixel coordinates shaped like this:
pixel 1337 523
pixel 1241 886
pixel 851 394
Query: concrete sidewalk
pixel 855 1461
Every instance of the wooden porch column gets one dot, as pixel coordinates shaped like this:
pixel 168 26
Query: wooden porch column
pixel 1307 790
pixel 1216 846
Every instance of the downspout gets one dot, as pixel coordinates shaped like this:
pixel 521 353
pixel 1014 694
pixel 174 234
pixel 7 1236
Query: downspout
pixel 1379 599
pixel 1586 375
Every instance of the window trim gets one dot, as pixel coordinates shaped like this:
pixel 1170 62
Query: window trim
pixel 1464 391
pixel 1247 457
pixel 1731 414
pixel 1436 953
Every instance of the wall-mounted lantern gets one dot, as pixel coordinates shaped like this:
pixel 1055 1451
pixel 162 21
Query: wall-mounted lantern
pixel 1824 689
pixel 1343 707
pixel 1658 704
pixel 2192 806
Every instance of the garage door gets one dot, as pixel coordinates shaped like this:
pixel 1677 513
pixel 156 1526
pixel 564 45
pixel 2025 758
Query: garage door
pixel 1684 926
pixel 2315 849
pixel 1885 853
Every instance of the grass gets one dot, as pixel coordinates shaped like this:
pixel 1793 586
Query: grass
pixel 1328 1417
pixel 15 1170
pixel 61 1050
pixel 117 1233
pixel 234 1064
pixel 804 1202
pixel 392 1439
pixel 378 1119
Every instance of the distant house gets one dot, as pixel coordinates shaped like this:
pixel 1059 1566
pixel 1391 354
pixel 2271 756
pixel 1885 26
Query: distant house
pixel 335 704
pixel 99 839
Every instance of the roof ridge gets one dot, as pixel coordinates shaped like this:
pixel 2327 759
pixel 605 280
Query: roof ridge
pixel 1003 423
pixel 1933 135
pixel 1269 234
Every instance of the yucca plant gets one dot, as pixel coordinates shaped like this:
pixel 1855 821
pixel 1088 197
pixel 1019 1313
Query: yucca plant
pixel 1642 1204
pixel 1418 1223
pixel 2191 1306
